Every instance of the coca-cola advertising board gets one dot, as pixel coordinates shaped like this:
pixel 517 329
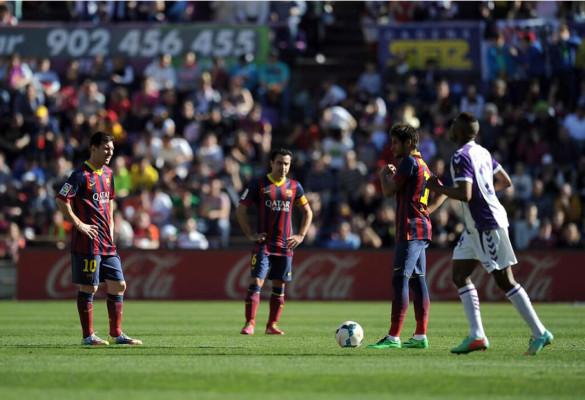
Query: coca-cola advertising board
pixel 317 275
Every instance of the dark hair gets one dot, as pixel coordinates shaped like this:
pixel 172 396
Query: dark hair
pixel 100 137
pixel 468 124
pixel 281 151
pixel 403 131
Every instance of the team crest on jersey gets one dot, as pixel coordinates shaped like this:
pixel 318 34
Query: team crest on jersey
pixel 289 193
pixel 65 189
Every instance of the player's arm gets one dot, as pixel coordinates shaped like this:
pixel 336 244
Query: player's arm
pixel 242 218
pixel 389 186
pixel 112 219
pixel 502 180
pixel 436 201
pixel 293 241
pixel 461 191
pixel 67 211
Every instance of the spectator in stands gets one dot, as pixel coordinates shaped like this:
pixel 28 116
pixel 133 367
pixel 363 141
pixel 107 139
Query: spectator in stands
pixel 527 228
pixel 188 74
pixel 563 54
pixel 162 72
pixel 569 203
pixel 500 61
pixel 6 17
pixel 143 174
pixel 574 123
pixel 522 182
pixel 370 81
pixel 175 153
pixel 351 177
pixel 146 234
pixel 145 100
pixel 122 179
pixel 26 104
pixel 120 103
pixel 571 237
pixel 12 244
pixel 18 74
pixel 91 100
pixel 273 80
pixel 238 101
pixel 545 238
pixel 219 74
pixel 206 97
pixel 333 94
pixel 47 81
pixel 190 238
pixel 122 73
pixel 160 124
pixel 214 212
pixel 252 12
pixel 472 101
pixel 123 232
pixel 247 70
pixel 344 238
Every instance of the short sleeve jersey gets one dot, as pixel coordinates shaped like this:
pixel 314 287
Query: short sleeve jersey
pixel 89 191
pixel 274 201
pixel 473 163
pixel 412 214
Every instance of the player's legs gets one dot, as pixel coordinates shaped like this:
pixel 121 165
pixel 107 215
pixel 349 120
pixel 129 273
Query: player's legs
pixel 85 273
pixel 276 306
pixel 519 298
pixel 462 270
pixel 111 273
pixel 280 273
pixel 259 266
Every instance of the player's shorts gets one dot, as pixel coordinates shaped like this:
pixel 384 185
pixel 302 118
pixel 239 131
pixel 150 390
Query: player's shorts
pixel 410 258
pixel 91 269
pixel 280 267
pixel 492 248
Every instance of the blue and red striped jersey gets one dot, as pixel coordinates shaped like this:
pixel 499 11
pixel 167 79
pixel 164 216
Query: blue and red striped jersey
pixel 274 201
pixel 412 215
pixel 89 191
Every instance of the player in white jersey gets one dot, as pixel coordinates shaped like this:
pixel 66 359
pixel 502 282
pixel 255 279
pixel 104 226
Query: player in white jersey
pixel 477 177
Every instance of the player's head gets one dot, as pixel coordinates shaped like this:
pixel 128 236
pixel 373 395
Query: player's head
pixel 404 139
pixel 280 160
pixel 464 128
pixel 101 147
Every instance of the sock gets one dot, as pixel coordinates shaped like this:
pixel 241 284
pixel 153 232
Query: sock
pixel 276 305
pixel 115 304
pixel 85 310
pixel 252 301
pixel 421 303
pixel 470 301
pixel 399 305
pixel 521 302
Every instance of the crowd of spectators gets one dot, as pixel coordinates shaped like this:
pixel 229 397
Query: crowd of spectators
pixel 189 138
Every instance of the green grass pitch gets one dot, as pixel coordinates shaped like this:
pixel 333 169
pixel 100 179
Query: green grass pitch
pixel 193 350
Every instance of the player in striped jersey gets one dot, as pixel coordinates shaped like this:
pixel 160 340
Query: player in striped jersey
pixel 413 234
pixel 274 241
pixel 477 177
pixel 86 199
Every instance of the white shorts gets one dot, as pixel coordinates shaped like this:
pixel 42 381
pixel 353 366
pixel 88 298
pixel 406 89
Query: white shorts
pixel 492 248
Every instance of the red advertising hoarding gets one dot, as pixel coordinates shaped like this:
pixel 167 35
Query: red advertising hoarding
pixel 317 275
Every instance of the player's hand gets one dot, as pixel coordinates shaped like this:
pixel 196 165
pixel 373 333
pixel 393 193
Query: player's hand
pixel 89 230
pixel 293 241
pixel 388 169
pixel 258 237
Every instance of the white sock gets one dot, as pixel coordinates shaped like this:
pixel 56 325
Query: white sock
pixel 419 337
pixel 521 302
pixel 470 301
pixel 395 338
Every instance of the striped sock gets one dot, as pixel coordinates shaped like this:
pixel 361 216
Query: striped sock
pixel 252 301
pixel 115 304
pixel 521 302
pixel 276 305
pixel 85 310
pixel 470 301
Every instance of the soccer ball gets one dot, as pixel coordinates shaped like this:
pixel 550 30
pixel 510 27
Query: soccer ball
pixel 349 334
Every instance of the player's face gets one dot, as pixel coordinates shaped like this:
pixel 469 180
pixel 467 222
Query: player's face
pixel 280 166
pixel 104 153
pixel 399 149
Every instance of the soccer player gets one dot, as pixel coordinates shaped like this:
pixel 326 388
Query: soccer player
pixel 477 177
pixel 413 234
pixel 86 200
pixel 274 240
